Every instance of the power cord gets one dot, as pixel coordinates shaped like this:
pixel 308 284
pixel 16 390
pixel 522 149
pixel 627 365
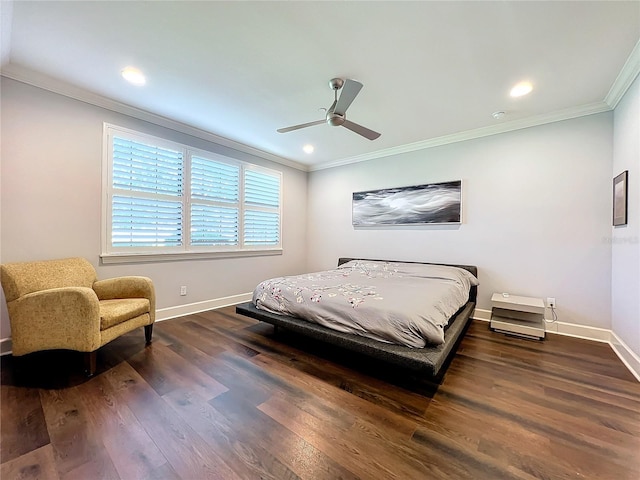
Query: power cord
pixel 554 315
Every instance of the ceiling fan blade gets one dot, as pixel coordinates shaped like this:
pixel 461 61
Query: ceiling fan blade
pixel 350 89
pixel 302 125
pixel 359 129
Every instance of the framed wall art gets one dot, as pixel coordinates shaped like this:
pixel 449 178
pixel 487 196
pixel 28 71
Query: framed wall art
pixel 620 199
pixel 432 203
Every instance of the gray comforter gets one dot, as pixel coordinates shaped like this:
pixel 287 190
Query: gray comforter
pixel 404 303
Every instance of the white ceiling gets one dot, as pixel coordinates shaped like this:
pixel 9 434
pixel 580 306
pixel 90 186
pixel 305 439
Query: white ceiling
pixel 432 71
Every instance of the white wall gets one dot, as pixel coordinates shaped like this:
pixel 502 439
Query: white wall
pixel 536 214
pixel 51 199
pixel 625 285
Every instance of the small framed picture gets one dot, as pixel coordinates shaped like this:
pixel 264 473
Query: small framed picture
pixel 620 199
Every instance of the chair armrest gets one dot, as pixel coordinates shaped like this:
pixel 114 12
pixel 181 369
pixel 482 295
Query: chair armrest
pixel 59 318
pixel 127 287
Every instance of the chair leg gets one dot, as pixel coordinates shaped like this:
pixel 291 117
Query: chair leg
pixel 90 363
pixel 18 367
pixel 148 331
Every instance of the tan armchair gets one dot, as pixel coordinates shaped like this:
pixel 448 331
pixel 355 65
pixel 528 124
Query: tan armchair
pixel 60 304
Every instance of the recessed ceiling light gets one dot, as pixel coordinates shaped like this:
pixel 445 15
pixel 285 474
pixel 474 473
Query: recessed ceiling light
pixel 498 115
pixel 133 76
pixel 308 148
pixel 521 89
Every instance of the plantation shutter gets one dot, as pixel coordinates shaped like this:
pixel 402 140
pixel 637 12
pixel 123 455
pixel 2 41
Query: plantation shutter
pixel 215 193
pixel 146 205
pixel 262 208
pixel 164 198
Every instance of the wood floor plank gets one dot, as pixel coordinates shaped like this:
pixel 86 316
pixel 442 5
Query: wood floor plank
pixel 464 461
pixel 189 455
pixel 75 442
pixel 223 371
pixel 539 410
pixel 237 347
pixel 98 467
pixel 223 319
pixel 23 427
pixel 248 460
pixel 164 472
pixel 592 438
pixel 594 401
pixel 175 332
pixel 582 410
pixel 131 449
pixel 38 464
pixel 256 427
pixel 328 440
pixel 518 445
pixel 518 353
pixel 165 371
pixel 371 411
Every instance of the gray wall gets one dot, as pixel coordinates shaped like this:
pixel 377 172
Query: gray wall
pixel 536 214
pixel 625 285
pixel 51 199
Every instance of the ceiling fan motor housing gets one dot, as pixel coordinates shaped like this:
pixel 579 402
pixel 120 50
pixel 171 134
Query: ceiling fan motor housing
pixel 335 119
pixel 336 83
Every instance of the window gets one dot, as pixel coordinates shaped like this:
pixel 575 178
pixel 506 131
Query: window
pixel 215 202
pixel 261 219
pixel 162 197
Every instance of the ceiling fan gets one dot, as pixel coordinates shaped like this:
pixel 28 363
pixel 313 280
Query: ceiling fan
pixel 336 114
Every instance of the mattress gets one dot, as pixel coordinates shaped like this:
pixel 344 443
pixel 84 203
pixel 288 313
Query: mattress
pixel 407 304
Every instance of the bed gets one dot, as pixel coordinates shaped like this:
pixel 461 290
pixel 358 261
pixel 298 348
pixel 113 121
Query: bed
pixel 430 360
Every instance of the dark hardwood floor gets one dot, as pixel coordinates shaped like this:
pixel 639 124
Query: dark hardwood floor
pixel 220 396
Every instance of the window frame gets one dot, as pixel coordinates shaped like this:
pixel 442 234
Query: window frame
pixel 186 251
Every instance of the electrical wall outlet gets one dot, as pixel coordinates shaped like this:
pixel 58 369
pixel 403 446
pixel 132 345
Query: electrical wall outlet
pixel 183 290
pixel 551 302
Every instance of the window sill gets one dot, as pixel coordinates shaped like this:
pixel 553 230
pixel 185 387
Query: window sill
pixel 114 258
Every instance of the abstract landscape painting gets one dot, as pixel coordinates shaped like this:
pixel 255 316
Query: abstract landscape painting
pixel 419 204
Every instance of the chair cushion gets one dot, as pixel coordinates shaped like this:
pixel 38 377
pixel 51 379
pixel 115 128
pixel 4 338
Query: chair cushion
pixel 113 312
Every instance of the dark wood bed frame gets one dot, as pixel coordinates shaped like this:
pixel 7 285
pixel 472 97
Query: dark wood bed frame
pixel 430 361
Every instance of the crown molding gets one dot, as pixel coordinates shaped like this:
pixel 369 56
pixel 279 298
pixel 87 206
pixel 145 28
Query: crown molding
pixel 45 82
pixel 504 127
pixel 625 78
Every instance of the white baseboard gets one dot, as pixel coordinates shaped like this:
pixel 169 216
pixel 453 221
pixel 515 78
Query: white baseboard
pixel 596 334
pixel 197 307
pixel 628 357
pixel 479 314
pixel 5 346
